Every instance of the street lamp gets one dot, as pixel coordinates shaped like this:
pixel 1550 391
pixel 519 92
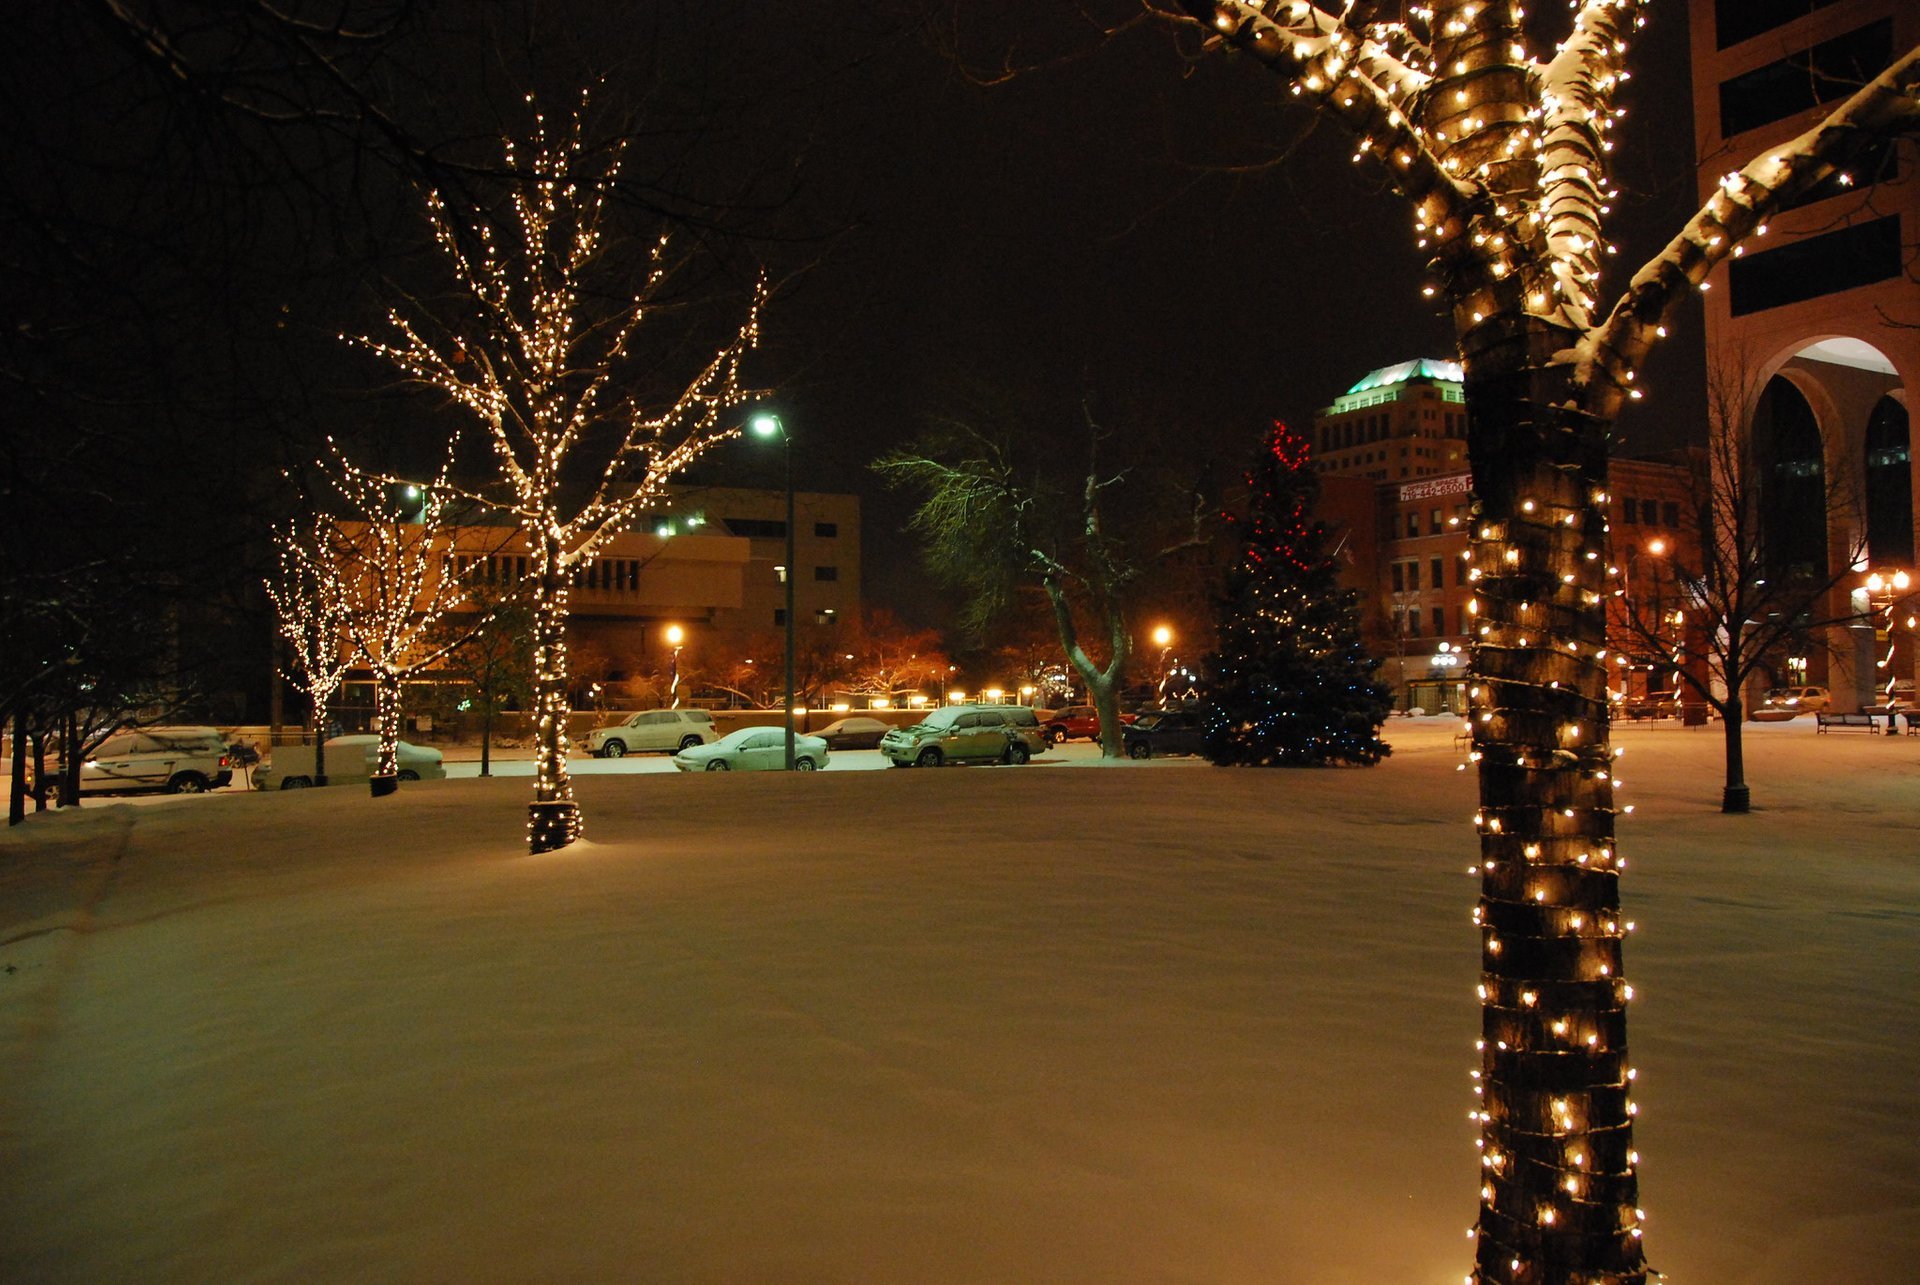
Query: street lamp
pixel 1163 638
pixel 767 425
pixel 675 636
pixel 1884 593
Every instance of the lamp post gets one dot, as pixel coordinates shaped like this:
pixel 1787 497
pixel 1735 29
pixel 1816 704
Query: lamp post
pixel 766 425
pixel 1163 638
pixel 675 637
pixel 1884 592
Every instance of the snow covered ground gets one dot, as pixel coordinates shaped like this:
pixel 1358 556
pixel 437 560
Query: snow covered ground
pixel 1156 1022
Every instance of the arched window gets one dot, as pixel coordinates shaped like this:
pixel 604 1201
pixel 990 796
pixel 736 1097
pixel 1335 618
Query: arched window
pixel 1793 483
pixel 1889 486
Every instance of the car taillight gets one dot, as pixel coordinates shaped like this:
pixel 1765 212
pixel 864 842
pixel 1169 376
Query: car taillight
pixel 226 760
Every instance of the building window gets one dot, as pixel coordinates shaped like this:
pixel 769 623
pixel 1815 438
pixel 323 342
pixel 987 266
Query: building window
pixel 1413 575
pixel 1738 20
pixel 826 530
pixel 1439 621
pixel 1670 514
pixel 1813 266
pixel 1460 571
pixel 1831 69
pixel 1399 578
pixel 1413 524
pixel 1437 568
pixel 1629 512
pixel 1413 622
pixel 826 573
pixel 1433 522
pixel 755 528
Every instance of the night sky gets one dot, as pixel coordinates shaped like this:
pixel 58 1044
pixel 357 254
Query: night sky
pixel 1121 218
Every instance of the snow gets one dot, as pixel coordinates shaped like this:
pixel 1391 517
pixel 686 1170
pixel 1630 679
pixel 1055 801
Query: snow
pixel 1158 1023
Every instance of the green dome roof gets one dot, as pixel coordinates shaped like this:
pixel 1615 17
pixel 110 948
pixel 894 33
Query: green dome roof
pixel 1428 368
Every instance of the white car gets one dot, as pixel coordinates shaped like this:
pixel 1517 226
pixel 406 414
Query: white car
pixel 1783 703
pixel 350 760
pixel 754 749
pixel 653 730
pixel 179 760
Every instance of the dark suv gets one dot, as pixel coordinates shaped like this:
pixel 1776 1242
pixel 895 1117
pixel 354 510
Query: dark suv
pixel 1175 731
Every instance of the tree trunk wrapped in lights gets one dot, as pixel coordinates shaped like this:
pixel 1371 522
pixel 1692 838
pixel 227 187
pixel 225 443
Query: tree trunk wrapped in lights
pixel 539 347
pixel 1505 160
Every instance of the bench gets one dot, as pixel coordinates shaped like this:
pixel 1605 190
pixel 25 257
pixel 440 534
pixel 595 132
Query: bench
pixel 1824 720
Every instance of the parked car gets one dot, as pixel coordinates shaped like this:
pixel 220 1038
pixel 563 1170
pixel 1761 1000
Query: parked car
pixel 1174 731
pixel 350 760
pixel 855 733
pixel 967 733
pixel 653 730
pixel 179 760
pixel 1783 703
pixel 754 749
pixel 1075 721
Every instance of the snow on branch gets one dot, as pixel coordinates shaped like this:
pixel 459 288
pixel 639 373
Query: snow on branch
pixel 1888 105
pixel 1575 92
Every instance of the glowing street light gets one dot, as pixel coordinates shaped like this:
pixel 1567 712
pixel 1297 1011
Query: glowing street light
pixel 675 637
pixel 1163 638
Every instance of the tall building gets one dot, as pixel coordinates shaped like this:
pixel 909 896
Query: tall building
pixel 1401 421
pixel 1815 328
pixel 1395 487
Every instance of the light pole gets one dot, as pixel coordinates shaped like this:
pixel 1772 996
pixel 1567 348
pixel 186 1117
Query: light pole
pixel 770 426
pixel 1884 592
pixel 1163 637
pixel 675 636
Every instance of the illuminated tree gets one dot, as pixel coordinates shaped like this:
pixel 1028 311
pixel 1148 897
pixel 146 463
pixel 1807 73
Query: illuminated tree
pixel 1505 160
pixel 395 587
pixel 1290 683
pixel 541 349
pixel 308 603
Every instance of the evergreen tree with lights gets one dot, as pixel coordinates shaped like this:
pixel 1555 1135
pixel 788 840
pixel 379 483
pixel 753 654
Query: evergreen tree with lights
pixel 1291 685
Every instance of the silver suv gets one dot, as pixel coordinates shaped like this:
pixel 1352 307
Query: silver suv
pixel 664 731
pixel 967 733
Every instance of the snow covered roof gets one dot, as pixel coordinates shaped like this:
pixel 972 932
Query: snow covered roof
pixel 1426 368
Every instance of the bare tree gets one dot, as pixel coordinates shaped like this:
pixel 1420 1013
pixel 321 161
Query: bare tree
pixel 989 529
pixel 1505 159
pixel 540 349
pixel 1721 605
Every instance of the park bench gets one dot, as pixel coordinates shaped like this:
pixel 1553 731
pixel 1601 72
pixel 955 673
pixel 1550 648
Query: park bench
pixel 1825 719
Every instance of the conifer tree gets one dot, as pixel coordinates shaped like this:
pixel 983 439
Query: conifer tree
pixel 1291 685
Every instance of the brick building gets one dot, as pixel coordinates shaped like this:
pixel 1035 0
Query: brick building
pixel 1817 323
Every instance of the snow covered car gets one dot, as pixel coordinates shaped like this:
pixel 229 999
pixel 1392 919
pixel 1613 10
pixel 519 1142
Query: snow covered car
pixel 967 733
pixel 350 760
pixel 754 749
pixel 1174 731
pixel 1783 703
pixel 179 760
pixel 855 733
pixel 653 730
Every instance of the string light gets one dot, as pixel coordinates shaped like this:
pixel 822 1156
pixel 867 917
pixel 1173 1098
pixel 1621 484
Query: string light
pixel 546 376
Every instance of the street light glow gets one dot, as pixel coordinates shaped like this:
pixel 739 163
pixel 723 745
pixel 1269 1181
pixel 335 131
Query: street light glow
pixel 766 426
